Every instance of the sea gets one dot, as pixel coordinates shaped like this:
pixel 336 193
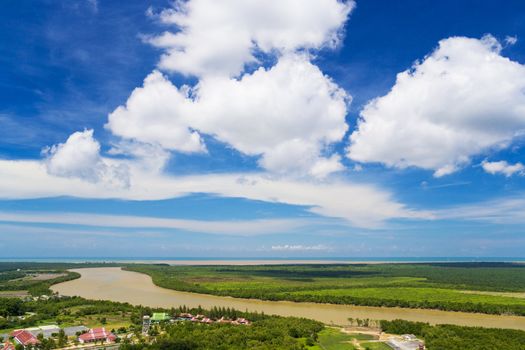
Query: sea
pixel 240 260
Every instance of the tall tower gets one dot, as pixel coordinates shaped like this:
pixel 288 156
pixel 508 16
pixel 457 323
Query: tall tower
pixel 146 322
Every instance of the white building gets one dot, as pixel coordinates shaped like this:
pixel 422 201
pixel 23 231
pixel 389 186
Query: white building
pixel 46 331
pixel 406 344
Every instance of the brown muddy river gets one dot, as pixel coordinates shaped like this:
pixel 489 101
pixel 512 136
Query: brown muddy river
pixel 117 285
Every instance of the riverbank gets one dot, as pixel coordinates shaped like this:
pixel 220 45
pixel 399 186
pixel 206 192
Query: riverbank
pixel 138 289
pixel 416 286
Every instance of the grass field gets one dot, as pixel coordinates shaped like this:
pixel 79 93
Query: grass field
pixel 470 287
pixel 14 294
pixel 113 321
pixel 333 339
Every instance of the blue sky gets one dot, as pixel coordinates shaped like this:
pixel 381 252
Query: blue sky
pixel 236 129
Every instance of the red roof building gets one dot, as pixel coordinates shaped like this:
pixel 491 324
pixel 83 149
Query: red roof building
pixel 224 320
pixel 97 334
pixel 24 338
pixel 8 346
pixel 206 320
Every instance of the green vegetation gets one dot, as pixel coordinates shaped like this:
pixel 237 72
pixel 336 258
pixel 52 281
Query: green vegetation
pixel 432 286
pixel 11 307
pixel 265 332
pixel 28 281
pixel 361 336
pixel 333 339
pixel 375 346
pixel 449 337
pixel 412 297
pixel 411 285
pixel 36 278
pixel 65 312
pixel 11 275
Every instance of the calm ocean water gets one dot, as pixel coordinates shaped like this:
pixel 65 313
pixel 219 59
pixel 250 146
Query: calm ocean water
pixel 262 259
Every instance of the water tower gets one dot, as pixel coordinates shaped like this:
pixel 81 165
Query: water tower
pixel 146 322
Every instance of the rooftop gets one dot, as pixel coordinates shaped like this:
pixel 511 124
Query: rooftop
pixel 97 334
pixel 24 337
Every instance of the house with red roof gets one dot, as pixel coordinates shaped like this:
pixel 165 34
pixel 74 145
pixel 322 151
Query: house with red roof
pixel 24 338
pixel 8 346
pixel 97 334
pixel 206 320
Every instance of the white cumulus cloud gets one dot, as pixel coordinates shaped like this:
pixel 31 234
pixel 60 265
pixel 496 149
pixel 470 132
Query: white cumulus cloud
pixel 79 157
pixel 299 247
pixel 218 37
pixel 289 114
pixel 503 167
pixel 157 113
pixel 461 100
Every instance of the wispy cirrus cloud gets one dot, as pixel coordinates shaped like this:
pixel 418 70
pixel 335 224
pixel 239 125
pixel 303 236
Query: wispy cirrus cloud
pixel 362 205
pixel 224 227
pixel 507 210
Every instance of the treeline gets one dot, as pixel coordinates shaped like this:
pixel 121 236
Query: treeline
pixel 11 307
pixel 49 266
pixel 54 309
pixel 486 308
pixel 37 287
pixel 163 277
pixel 264 333
pixel 44 287
pixel 474 276
pixel 11 275
pixel 450 337
pixel 42 310
pixel 268 333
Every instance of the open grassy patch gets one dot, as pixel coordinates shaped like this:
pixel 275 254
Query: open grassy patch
pixel 361 336
pixel 13 294
pixel 333 339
